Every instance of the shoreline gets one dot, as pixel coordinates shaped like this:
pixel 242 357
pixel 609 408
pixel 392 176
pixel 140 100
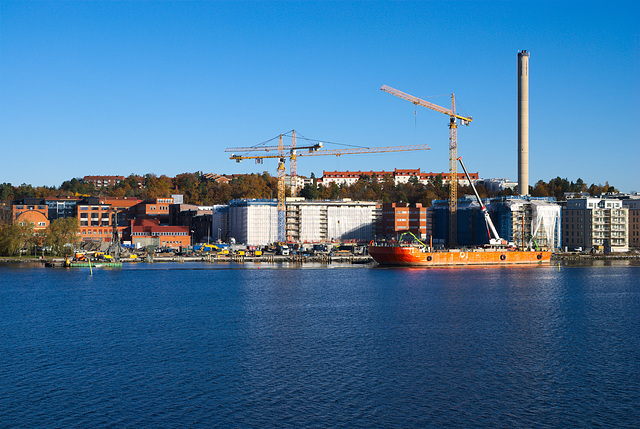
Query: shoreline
pixel 299 259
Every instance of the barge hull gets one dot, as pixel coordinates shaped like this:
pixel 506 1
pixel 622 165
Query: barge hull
pixel 414 256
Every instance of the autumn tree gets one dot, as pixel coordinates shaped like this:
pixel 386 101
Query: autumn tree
pixel 62 235
pixel 14 237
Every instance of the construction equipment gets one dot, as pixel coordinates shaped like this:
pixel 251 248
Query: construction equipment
pixel 312 150
pixel 494 237
pixel 453 151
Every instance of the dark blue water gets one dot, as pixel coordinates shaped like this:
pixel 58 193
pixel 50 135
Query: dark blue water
pixel 202 345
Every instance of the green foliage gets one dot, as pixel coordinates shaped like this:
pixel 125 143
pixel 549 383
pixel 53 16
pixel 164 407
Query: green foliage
pixel 14 237
pixel 62 235
pixel 310 192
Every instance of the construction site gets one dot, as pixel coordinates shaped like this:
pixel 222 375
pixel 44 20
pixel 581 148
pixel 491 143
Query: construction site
pixel 522 220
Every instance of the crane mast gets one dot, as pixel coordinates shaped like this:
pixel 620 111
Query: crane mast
pixel 494 238
pixel 453 151
pixel 313 150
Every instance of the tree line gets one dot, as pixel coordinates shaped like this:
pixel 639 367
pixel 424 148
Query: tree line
pixel 198 189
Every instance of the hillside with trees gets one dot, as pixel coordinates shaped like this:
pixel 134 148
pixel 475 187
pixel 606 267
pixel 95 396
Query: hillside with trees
pixel 198 189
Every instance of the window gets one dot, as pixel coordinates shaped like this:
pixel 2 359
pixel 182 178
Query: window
pixel 42 224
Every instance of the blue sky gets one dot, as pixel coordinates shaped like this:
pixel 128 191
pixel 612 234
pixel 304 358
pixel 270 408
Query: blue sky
pixel 164 87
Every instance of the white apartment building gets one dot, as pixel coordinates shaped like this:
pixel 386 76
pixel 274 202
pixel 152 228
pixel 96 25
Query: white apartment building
pixel 595 223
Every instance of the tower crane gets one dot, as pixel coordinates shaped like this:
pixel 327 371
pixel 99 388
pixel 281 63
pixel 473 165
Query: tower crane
pixel 312 150
pixel 453 151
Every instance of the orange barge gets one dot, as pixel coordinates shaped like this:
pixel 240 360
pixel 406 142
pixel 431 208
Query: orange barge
pixel 420 256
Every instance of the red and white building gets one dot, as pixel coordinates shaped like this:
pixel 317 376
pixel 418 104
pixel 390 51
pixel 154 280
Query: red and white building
pixel 399 176
pixel 103 181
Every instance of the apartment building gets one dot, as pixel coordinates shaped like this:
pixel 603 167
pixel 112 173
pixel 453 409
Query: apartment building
pixel 633 205
pixel 399 176
pixel 595 223
pixel 103 181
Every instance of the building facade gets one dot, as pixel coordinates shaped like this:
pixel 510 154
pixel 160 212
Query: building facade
pixel 95 221
pixel 324 221
pixel 103 181
pixel 255 222
pixel 402 217
pixel 595 223
pixel 399 176
pixel 31 212
pixel 149 232
pixel 633 205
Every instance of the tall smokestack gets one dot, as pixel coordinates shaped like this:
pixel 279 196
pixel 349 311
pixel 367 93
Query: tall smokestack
pixel 523 122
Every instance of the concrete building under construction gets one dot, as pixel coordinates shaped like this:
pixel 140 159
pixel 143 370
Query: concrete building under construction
pixel 255 222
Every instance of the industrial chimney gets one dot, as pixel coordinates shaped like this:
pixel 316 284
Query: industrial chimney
pixel 523 122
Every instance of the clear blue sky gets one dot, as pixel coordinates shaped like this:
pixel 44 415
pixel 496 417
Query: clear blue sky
pixel 164 87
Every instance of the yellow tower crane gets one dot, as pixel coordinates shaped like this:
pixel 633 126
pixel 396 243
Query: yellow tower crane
pixel 453 151
pixel 312 150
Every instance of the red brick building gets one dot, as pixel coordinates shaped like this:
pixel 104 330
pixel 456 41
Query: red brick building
pixel 145 232
pixel 156 208
pixel 95 221
pixel 36 215
pixel 401 217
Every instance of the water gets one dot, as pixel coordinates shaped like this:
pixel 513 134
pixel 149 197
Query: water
pixel 205 345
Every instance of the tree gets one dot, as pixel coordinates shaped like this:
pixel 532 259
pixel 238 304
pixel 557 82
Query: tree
pixel 6 192
pixel 62 235
pixel 14 237
pixel 310 192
